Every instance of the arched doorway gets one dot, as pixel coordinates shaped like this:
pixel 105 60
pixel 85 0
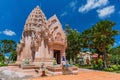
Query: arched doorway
pixel 57 56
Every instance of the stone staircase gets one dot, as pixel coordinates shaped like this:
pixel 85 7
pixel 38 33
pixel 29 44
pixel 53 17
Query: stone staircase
pixel 67 71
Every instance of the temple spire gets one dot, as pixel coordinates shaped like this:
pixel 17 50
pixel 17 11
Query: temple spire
pixel 41 38
pixel 35 22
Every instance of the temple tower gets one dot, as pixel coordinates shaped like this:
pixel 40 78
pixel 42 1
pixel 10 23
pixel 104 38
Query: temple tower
pixel 42 39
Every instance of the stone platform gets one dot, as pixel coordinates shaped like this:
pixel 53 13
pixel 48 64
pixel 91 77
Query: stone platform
pixel 57 70
pixel 13 64
pixel 29 67
pixel 52 70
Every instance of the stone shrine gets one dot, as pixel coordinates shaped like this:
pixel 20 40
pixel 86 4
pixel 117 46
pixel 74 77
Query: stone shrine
pixel 42 40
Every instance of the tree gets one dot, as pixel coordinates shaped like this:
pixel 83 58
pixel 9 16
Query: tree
pixel 102 36
pixel 73 42
pixel 13 56
pixel 86 39
pixel 115 55
pixel 7 46
pixel 2 58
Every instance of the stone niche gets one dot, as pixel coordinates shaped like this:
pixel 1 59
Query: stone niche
pixel 42 40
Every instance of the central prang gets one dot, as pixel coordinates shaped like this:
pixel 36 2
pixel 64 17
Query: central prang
pixel 42 39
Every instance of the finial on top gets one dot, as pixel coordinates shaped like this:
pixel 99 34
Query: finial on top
pixel 37 6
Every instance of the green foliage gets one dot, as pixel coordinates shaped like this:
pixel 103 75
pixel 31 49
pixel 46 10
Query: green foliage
pixel 2 58
pixel 94 64
pixel 7 46
pixel 109 69
pixel 115 59
pixel 98 39
pixel 115 55
pixel 13 56
pixel 119 67
pixel 113 68
pixel 2 64
pixel 73 42
pixel 115 50
pixel 97 64
pixel 84 66
pixel 103 34
pixel 100 64
pixel 87 39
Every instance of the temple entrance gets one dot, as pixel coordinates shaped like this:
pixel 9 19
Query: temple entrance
pixel 57 56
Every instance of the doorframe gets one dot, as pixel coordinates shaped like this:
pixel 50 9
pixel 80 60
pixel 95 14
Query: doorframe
pixel 58 60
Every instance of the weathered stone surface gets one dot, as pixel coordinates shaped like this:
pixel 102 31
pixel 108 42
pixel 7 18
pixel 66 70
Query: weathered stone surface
pixel 42 39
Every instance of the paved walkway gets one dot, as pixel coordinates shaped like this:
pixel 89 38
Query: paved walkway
pixel 84 74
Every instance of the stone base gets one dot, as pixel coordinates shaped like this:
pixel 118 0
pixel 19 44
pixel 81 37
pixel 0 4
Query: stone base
pixel 46 62
pixel 38 62
pixel 54 70
pixel 58 70
pixel 29 67
pixel 18 62
pixel 14 64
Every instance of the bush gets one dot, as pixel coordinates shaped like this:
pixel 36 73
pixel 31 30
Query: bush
pixel 108 69
pixel 112 68
pixel 97 64
pixel 115 59
pixel 2 64
pixel 100 64
pixel 2 58
pixel 119 67
pixel 115 67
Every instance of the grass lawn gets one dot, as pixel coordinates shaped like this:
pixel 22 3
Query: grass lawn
pixel 2 64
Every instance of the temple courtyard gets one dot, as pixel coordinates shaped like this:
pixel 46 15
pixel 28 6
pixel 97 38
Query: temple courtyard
pixel 14 73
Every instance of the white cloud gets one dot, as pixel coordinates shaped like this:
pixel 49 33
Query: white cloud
pixel 63 14
pixel 73 5
pixel 106 12
pixel 92 4
pixel 9 32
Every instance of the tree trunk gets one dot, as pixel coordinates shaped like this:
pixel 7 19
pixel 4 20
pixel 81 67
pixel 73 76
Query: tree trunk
pixel 73 57
pixel 105 60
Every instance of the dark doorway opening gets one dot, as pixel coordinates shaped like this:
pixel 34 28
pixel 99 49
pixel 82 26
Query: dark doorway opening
pixel 57 56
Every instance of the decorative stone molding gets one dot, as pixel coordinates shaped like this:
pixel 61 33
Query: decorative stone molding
pixel 41 37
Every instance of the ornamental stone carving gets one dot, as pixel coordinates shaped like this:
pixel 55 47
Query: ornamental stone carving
pixel 42 39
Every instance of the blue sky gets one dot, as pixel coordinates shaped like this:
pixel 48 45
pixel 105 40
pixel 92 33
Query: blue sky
pixel 79 14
